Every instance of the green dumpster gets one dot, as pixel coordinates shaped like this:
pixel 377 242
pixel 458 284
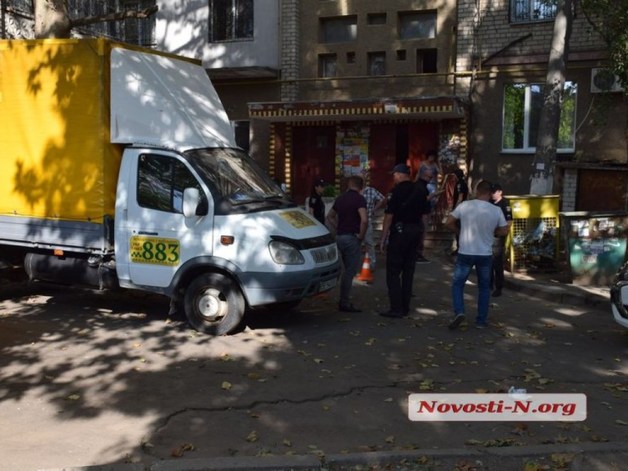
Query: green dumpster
pixel 596 245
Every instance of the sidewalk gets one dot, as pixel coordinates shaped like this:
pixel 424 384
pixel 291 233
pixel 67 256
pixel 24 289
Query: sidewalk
pixel 551 286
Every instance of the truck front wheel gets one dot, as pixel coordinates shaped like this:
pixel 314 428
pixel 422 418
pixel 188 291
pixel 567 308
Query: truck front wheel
pixel 214 304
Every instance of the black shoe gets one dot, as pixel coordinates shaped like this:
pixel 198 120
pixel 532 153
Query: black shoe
pixel 421 259
pixel 348 308
pixel 497 293
pixel 456 322
pixel 393 314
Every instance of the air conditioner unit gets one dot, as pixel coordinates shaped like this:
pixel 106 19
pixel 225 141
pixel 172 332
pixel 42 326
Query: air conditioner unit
pixel 604 81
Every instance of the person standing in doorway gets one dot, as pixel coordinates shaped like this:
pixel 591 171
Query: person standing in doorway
pixel 348 215
pixel 402 230
pixel 432 163
pixel 316 205
pixel 477 221
pixel 374 201
pixel 426 173
pixel 499 243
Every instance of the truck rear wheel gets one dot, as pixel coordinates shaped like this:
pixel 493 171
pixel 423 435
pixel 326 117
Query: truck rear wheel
pixel 214 304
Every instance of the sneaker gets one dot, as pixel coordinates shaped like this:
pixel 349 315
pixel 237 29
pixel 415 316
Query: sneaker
pixel 496 293
pixel 348 308
pixel 456 322
pixel 421 259
pixel 393 314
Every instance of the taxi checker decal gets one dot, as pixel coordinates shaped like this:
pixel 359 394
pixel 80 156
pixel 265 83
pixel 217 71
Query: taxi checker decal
pixel 297 219
pixel 154 250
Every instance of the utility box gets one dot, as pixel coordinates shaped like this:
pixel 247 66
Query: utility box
pixel 596 245
pixel 533 239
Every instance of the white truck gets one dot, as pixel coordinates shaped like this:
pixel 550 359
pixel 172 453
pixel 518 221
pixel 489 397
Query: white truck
pixel 120 169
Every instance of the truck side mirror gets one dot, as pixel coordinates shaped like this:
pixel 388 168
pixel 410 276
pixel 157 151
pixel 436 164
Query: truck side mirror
pixel 191 201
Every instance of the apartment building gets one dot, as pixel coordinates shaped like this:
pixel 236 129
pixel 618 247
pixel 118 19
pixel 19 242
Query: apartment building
pixel 328 88
pixel 365 85
pixel 505 45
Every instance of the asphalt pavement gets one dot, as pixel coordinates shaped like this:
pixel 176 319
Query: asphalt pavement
pixel 312 389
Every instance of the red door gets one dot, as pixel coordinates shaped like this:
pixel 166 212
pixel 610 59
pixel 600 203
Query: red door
pixel 422 137
pixel 314 156
pixel 382 155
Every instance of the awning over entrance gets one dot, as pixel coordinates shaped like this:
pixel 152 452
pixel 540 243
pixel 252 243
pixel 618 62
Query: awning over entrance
pixel 430 108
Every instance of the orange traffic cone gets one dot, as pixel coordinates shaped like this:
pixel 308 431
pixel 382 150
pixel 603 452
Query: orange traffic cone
pixel 366 274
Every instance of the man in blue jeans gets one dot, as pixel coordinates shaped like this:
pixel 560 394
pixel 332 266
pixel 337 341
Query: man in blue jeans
pixel 477 222
pixel 348 215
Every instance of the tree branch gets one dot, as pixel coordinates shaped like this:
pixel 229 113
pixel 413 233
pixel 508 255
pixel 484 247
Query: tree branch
pixel 117 16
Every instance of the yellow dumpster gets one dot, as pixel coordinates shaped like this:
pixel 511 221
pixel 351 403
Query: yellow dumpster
pixel 533 239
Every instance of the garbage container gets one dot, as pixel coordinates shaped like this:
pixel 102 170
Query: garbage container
pixel 533 239
pixel 596 245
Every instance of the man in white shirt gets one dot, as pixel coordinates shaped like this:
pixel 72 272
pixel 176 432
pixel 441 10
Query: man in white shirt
pixel 477 222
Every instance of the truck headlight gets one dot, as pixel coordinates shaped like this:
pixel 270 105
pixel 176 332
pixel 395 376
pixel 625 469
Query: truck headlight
pixel 285 254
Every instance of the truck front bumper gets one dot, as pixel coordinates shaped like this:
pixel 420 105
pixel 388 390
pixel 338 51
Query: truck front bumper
pixel 262 288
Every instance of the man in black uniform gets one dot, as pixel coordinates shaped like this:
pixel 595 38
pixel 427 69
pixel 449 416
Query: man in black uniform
pixel 402 228
pixel 499 243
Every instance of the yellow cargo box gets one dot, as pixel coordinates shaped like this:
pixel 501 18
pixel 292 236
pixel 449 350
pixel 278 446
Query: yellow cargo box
pixel 57 161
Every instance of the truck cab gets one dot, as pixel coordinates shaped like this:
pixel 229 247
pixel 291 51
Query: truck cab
pixel 210 229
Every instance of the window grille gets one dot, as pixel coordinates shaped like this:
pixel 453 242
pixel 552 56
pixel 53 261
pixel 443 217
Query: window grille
pixel 525 11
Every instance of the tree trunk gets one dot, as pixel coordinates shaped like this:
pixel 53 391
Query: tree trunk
pixel 51 19
pixel 542 180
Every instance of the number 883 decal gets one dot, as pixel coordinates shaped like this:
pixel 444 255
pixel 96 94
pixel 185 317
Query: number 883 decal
pixel 154 250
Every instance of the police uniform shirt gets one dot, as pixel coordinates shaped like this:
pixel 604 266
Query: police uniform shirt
pixel 405 207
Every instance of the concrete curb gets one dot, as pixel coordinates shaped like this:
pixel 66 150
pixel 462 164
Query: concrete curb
pixel 563 294
pixel 589 456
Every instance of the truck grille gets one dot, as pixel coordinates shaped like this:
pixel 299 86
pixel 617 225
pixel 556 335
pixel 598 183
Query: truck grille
pixel 325 254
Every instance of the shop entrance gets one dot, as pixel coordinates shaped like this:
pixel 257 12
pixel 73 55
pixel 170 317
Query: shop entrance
pixel 313 151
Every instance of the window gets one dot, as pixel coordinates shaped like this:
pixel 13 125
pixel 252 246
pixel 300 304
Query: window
pixel 350 57
pixel 138 30
pixel 327 65
pixel 23 6
pixel 401 54
pixel 339 29
pixel 376 18
pixel 230 20
pixel 376 63
pixel 132 30
pixel 161 181
pixel 523 11
pixel 522 110
pixel 426 61
pixel 417 25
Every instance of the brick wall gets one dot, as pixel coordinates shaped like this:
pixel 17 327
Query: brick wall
pixel 290 44
pixel 484 29
pixel 570 189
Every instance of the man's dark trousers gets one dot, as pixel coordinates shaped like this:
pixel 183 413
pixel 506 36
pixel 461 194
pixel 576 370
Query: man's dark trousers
pixel 400 264
pixel 497 273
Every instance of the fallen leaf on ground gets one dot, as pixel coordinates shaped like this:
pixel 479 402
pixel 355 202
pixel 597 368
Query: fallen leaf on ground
pixel 180 450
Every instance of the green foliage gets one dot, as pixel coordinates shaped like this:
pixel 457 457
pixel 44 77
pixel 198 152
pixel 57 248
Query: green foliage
pixel 330 191
pixel 610 19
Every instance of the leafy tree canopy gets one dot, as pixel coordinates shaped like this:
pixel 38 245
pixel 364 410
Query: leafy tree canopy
pixel 610 19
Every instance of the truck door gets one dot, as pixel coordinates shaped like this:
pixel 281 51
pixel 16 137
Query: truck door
pixel 157 236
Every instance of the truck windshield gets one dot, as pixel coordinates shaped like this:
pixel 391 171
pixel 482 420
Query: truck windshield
pixel 233 176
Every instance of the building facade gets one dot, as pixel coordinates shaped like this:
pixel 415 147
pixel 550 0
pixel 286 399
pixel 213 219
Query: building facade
pixel 365 85
pixel 329 88
pixel 505 44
